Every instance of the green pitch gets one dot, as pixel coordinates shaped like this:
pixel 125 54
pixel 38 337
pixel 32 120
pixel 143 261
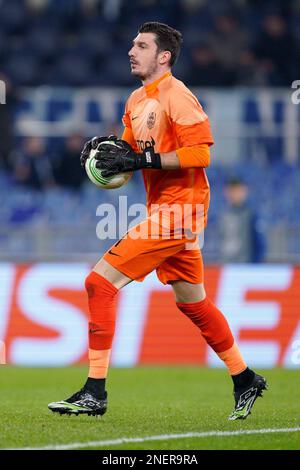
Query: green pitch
pixel 146 402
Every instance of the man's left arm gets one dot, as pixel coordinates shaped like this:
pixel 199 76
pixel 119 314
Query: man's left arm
pixel 196 156
pixel 192 130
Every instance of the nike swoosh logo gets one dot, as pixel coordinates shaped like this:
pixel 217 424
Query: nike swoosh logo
pixel 112 253
pixel 94 331
pixel 134 117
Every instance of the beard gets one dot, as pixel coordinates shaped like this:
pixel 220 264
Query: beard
pixel 152 69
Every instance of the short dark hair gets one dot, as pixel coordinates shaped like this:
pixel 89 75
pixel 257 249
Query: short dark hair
pixel 235 181
pixel 167 38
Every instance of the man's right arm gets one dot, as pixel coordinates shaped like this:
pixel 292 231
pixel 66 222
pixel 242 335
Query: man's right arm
pixel 127 132
pixel 128 137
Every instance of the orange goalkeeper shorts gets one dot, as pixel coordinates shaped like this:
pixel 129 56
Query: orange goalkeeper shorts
pixel 138 254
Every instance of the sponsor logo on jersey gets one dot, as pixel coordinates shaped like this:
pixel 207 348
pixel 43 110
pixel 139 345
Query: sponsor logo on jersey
pixel 143 144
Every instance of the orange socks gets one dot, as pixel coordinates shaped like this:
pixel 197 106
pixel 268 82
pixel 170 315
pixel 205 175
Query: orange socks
pixel 216 331
pixel 99 362
pixel 102 300
pixel 233 359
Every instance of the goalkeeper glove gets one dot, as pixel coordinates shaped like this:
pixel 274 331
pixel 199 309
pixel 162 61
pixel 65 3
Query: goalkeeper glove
pixel 120 157
pixel 92 145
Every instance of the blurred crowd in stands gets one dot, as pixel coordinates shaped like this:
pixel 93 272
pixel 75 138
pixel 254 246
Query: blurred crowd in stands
pixel 36 166
pixel 85 42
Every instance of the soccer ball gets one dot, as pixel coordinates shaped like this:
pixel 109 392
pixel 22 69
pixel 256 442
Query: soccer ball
pixel 104 182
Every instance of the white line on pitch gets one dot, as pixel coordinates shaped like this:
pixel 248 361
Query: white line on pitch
pixel 162 437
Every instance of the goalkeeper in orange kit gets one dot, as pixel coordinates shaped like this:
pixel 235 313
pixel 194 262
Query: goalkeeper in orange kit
pixel 167 135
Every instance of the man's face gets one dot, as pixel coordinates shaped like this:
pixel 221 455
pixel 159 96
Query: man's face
pixel 237 194
pixel 144 56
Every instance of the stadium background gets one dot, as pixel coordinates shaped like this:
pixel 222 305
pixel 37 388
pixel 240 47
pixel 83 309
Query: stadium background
pixel 67 77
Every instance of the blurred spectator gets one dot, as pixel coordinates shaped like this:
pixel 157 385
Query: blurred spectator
pixel 227 41
pixel 240 241
pixel 67 171
pixel 276 48
pixel 205 71
pixel 31 165
pixel 6 122
pixel 37 5
pixel 111 9
pixel 250 72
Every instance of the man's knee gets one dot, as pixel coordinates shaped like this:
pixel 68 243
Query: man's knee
pixel 111 274
pixel 97 285
pixel 187 292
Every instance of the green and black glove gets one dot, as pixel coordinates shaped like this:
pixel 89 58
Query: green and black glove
pixel 93 144
pixel 120 157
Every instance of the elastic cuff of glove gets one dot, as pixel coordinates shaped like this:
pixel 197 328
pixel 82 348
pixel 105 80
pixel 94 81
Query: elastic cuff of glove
pixel 150 159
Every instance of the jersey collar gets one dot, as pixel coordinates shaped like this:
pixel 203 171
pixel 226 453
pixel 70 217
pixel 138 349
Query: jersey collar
pixel 151 87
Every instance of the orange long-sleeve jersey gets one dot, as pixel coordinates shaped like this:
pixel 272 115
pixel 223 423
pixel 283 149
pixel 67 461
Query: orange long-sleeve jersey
pixel 165 114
